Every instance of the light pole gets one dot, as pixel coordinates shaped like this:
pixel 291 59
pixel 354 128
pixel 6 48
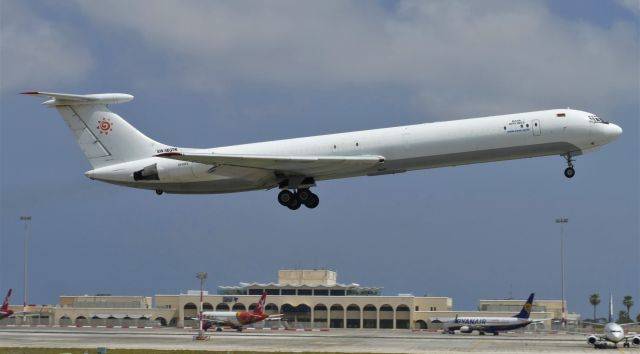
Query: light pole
pixel 26 219
pixel 562 221
pixel 202 276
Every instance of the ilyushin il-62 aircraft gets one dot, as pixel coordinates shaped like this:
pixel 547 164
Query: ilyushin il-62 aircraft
pixel 122 155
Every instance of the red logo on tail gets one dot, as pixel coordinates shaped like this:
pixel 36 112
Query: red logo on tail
pixel 105 126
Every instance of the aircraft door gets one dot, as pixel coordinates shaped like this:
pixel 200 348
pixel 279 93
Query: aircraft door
pixel 536 127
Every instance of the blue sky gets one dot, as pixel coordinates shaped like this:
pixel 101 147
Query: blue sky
pixel 208 74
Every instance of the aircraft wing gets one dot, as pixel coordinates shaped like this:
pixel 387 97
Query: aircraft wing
pixel 537 321
pixel 286 165
pixel 628 324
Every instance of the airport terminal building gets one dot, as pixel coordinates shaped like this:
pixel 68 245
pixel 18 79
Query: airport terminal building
pixel 307 298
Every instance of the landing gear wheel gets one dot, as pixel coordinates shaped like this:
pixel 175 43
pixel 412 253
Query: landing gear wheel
pixel 569 172
pixel 218 329
pixel 285 197
pixel 626 345
pixel 304 195
pixel 312 202
pixel 159 191
pixel 294 204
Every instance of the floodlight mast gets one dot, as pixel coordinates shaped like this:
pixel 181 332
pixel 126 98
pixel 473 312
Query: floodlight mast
pixel 562 221
pixel 26 219
pixel 202 276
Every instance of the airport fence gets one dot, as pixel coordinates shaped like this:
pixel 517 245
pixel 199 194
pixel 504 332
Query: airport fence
pixel 81 322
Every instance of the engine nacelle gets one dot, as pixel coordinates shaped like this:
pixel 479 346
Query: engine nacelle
pixel 465 329
pixel 592 339
pixel 206 325
pixel 175 171
pixel 636 340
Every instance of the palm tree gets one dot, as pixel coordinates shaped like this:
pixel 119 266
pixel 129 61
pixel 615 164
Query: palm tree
pixel 622 317
pixel 594 299
pixel 628 302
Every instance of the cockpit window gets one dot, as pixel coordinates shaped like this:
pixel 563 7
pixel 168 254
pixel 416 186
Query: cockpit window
pixel 596 119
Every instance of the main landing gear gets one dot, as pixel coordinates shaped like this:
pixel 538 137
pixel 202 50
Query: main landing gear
pixel 302 196
pixel 569 172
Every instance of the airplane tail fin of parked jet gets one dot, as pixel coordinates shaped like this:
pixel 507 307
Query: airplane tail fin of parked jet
pixel 104 137
pixel 526 308
pixel 5 303
pixel 260 307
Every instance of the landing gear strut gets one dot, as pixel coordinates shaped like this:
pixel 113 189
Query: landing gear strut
pixel 569 172
pixel 302 196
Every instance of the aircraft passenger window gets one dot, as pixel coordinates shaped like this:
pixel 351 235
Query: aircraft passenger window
pixel 357 144
pixel 527 125
pixel 536 124
pixel 334 146
pixel 505 128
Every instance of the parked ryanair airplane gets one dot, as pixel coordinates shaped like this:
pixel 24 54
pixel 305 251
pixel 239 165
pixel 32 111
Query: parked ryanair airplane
pixel 491 324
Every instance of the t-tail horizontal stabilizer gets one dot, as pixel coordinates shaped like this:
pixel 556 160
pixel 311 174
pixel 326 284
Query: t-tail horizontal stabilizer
pixel 66 99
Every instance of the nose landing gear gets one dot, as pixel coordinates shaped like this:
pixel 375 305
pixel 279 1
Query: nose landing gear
pixel 302 196
pixel 569 172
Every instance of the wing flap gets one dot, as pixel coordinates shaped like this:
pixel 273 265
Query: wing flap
pixel 288 165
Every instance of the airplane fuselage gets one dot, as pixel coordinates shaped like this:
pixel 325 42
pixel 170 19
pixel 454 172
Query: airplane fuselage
pixel 486 324
pixel 613 332
pixel 234 319
pixel 404 148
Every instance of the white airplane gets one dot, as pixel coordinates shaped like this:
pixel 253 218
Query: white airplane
pixel 237 319
pixel 491 324
pixel 613 333
pixel 122 155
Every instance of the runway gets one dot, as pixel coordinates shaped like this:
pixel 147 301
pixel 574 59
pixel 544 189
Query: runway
pixel 336 341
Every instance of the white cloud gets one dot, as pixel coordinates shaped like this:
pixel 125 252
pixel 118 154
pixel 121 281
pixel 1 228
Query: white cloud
pixel 36 53
pixel 458 56
pixel 631 5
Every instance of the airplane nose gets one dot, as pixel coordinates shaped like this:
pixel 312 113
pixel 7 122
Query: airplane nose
pixel 616 131
pixel 613 131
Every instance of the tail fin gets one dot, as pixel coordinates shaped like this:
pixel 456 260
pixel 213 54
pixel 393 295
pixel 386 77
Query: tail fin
pixel 104 137
pixel 526 308
pixel 5 304
pixel 260 308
